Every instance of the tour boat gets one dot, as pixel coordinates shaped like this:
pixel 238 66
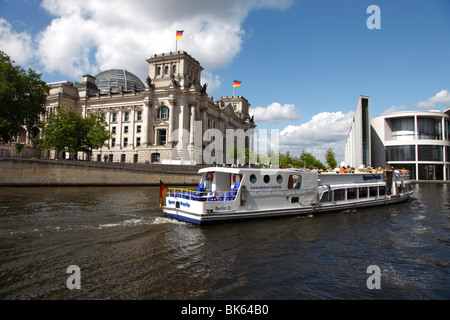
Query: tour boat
pixel 233 194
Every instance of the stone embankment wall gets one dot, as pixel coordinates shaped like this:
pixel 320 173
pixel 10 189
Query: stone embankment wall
pixel 27 172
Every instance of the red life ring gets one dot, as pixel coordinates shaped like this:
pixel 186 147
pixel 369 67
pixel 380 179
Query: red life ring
pixel 210 175
pixel 234 177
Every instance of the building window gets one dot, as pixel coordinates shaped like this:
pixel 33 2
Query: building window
pixel 114 117
pixel 174 68
pixel 138 129
pixel 428 129
pixel 139 115
pixel 138 142
pixel 158 71
pixel 113 142
pixel 155 157
pixel 125 129
pixel 401 153
pixel 163 113
pixel 430 153
pixel 127 116
pixel 125 142
pixel 166 69
pixel 113 130
pixel 403 129
pixel 162 137
pixel 431 172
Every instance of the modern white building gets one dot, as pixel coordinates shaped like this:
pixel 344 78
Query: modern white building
pixel 163 120
pixel 415 140
pixel 358 145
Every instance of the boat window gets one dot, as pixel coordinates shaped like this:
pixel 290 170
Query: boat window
pixel 252 178
pixel 339 195
pixel 279 179
pixel 294 182
pixel 294 199
pixel 363 192
pixel 326 197
pixel 373 191
pixel 382 191
pixel 266 179
pixel 351 193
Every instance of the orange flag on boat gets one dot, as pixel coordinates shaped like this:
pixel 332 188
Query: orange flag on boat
pixel 162 192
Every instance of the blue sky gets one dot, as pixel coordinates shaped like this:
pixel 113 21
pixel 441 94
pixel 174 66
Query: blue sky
pixel 303 64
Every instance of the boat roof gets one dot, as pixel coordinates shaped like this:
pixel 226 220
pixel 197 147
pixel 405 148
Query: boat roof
pixel 243 170
pixel 248 170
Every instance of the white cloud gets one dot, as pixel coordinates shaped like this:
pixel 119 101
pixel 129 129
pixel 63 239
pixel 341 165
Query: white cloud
pixel 213 82
pixel 440 99
pixel 17 45
pixel 324 130
pixel 394 109
pixel 93 35
pixel 275 112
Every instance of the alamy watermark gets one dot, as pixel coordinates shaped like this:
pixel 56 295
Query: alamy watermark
pixel 374 280
pixel 74 280
pixel 374 21
pixel 235 147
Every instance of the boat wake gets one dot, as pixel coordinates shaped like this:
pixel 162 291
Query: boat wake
pixel 135 222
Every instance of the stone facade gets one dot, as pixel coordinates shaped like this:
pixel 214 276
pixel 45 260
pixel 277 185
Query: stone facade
pixel 165 122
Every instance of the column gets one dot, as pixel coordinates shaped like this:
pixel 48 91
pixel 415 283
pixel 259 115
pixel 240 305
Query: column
pixel 132 125
pixel 145 123
pixel 191 132
pixel 172 113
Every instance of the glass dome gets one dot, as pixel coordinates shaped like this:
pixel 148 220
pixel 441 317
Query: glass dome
pixel 115 79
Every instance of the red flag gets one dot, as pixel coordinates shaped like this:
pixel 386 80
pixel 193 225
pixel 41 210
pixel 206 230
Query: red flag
pixel 162 192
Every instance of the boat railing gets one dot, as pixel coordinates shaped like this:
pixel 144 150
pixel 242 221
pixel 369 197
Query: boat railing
pixel 192 194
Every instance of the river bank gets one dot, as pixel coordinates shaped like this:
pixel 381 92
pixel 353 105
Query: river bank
pixel 38 172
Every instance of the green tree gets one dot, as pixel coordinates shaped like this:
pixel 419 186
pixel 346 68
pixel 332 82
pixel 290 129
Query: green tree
pixel 68 131
pixel 63 131
pixel 22 100
pixel 95 133
pixel 307 160
pixel 330 158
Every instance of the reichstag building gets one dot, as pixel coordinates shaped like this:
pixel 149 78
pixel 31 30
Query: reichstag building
pixel 156 121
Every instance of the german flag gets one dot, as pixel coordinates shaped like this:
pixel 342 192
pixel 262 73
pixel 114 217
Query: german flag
pixel 179 34
pixel 162 192
pixel 236 83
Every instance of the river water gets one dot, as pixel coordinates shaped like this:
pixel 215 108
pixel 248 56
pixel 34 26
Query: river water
pixel 126 249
